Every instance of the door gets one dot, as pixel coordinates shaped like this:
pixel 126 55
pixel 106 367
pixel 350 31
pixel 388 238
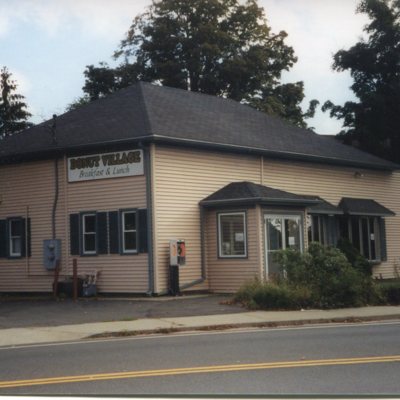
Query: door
pixel 281 232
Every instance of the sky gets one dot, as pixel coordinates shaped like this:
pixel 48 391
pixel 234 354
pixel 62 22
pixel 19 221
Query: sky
pixel 46 45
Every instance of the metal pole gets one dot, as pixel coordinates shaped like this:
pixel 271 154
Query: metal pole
pixel 75 278
pixel 55 283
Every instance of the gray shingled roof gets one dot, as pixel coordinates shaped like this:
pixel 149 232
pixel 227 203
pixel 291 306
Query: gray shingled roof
pixel 249 193
pixel 324 207
pixel 147 112
pixel 355 206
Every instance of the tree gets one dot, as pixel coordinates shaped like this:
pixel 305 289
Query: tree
pixel 13 113
pixel 219 47
pixel 373 122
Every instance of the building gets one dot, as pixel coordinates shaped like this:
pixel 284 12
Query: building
pixel 117 179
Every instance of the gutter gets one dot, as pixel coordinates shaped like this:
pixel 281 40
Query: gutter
pixel 273 153
pixel 259 200
pixel 154 138
pixel 149 206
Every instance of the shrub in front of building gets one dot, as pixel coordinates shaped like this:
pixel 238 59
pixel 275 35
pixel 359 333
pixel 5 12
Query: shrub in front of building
pixel 273 296
pixel 322 277
pixel 391 291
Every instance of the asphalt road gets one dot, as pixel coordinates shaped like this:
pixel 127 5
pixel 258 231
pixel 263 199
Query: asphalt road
pixel 331 359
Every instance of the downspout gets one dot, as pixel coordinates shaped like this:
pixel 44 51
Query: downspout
pixel 26 241
pixel 262 170
pixel 53 214
pixel 202 253
pixel 147 168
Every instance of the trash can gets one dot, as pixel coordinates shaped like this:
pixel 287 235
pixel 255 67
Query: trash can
pixel 89 290
pixel 66 288
pixel 174 280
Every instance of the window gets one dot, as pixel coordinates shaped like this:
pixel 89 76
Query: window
pixel 129 231
pixel 89 241
pixel 15 229
pixel 232 234
pixel 316 228
pixel 364 234
pixel 94 233
pixel 281 232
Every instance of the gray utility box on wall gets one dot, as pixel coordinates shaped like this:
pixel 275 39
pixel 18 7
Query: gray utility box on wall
pixel 51 253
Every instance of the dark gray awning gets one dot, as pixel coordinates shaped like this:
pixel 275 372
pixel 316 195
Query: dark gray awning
pixel 249 193
pixel 324 207
pixel 354 206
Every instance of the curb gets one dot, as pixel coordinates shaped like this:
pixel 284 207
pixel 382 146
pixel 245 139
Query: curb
pixel 271 324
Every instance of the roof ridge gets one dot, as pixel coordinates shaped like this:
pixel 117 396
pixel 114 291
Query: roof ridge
pixel 252 188
pixel 146 118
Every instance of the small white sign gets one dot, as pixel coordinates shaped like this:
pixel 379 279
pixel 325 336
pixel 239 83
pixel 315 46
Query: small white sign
pixel 372 236
pixel 239 237
pixel 292 241
pixel 105 166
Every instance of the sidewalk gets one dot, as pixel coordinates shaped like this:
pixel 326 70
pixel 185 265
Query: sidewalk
pixel 61 333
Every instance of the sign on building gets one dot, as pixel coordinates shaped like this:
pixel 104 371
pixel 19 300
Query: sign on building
pixel 103 166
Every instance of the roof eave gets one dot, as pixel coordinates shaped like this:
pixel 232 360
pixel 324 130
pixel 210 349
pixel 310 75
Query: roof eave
pixel 325 212
pixel 53 151
pixel 258 200
pixel 273 154
pixel 377 214
pixel 58 151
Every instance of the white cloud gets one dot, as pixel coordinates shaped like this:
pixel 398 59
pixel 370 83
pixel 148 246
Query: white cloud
pixel 93 17
pixel 317 30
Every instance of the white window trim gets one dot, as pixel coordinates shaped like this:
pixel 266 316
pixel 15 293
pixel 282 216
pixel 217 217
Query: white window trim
pixel 223 214
pixel 84 251
pixel 11 253
pixel 124 250
pixel 267 216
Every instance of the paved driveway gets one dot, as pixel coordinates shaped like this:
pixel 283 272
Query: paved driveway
pixel 48 312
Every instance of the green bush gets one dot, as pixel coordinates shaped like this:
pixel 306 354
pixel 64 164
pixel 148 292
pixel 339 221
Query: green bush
pixel 322 277
pixel 358 261
pixel 391 292
pixel 273 296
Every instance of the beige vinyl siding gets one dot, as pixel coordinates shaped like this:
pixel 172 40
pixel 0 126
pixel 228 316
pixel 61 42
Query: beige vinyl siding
pixel 183 177
pixel 228 274
pixel 118 273
pixel 27 189
pixel 334 182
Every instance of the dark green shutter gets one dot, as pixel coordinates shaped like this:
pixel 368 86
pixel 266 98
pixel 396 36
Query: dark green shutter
pixel 3 238
pixel 142 217
pixel 28 237
pixel 382 236
pixel 74 234
pixel 23 237
pixel 113 221
pixel 102 234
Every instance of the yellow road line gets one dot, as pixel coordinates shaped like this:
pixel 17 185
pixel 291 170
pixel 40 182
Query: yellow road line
pixel 197 370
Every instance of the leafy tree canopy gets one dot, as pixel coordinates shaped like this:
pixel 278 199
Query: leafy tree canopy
pixel 219 47
pixel 374 64
pixel 13 113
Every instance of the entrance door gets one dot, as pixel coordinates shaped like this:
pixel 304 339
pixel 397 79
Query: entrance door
pixel 281 232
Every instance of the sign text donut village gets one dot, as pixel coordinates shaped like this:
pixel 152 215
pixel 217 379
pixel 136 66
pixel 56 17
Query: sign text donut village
pixel 108 165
